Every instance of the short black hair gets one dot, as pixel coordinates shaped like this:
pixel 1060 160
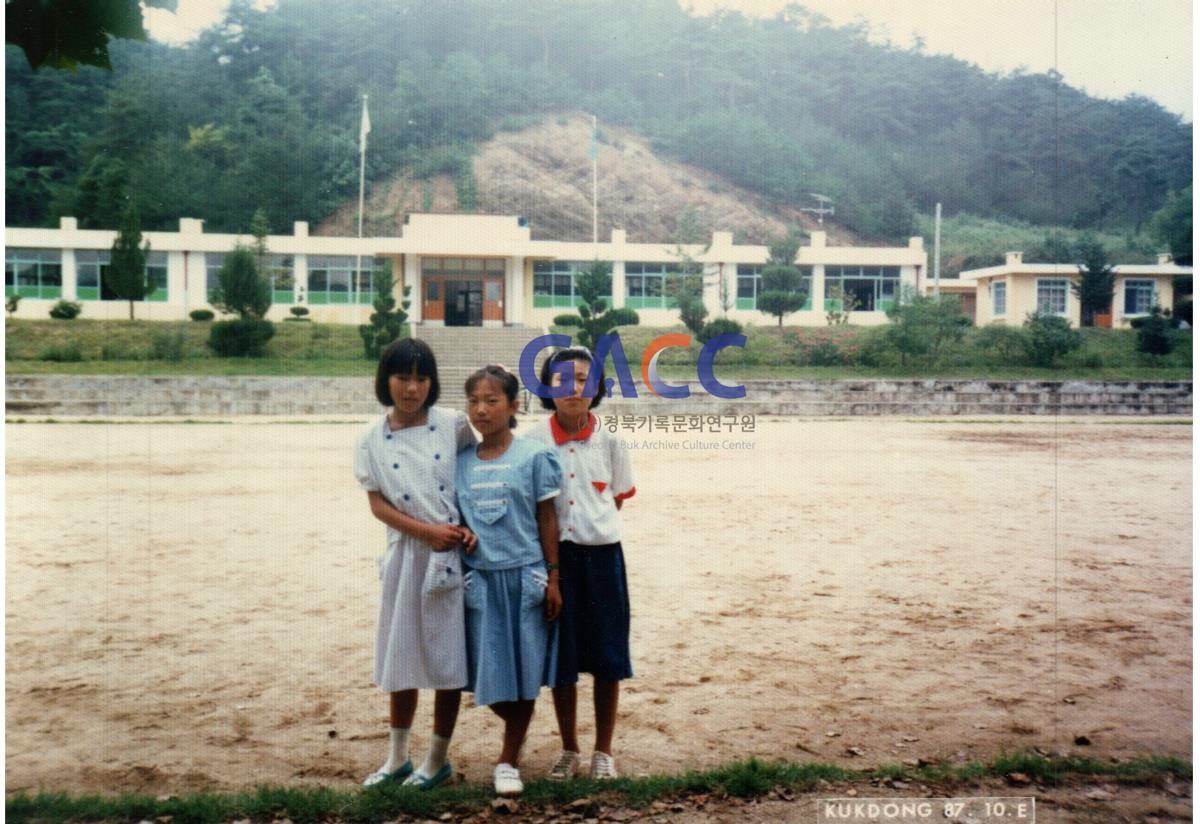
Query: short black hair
pixel 575 353
pixel 507 380
pixel 404 357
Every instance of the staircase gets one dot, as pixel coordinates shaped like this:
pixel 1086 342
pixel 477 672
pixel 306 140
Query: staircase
pixel 460 350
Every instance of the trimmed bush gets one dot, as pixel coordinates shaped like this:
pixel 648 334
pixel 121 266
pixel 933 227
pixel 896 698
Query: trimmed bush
pixel 1154 333
pixel 623 316
pixel 241 338
pixel 719 326
pixel 299 311
pixel 1047 337
pixel 65 310
pixel 567 320
pixel 67 353
pixel 201 314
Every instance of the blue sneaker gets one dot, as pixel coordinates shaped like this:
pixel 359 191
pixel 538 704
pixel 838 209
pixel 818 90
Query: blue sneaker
pixel 429 782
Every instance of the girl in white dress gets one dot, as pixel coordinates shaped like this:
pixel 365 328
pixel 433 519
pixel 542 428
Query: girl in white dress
pixel 405 461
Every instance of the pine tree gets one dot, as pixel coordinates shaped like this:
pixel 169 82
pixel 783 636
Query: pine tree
pixel 126 275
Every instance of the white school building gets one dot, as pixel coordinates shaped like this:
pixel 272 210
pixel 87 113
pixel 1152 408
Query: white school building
pixel 463 270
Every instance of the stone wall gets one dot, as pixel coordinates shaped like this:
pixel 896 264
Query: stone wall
pixel 74 395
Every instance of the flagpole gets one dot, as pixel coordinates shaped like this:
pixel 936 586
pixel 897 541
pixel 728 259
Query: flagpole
pixel 364 128
pixel 595 211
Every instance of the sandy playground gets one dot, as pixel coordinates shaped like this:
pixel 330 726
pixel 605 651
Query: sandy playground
pixel 192 605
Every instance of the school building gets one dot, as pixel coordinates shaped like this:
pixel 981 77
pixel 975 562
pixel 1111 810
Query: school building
pixel 1008 293
pixel 463 270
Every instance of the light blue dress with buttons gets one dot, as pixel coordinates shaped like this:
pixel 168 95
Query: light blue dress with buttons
pixel 508 655
pixel 420 638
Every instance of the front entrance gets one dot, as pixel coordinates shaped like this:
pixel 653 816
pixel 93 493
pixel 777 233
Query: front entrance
pixel 464 303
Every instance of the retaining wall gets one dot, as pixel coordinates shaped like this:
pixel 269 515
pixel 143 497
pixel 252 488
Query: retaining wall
pixel 73 395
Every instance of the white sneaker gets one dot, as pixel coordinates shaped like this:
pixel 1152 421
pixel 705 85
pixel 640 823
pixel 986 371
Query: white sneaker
pixel 507 781
pixel 603 766
pixel 565 766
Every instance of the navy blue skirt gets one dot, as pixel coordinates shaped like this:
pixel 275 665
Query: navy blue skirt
pixel 593 630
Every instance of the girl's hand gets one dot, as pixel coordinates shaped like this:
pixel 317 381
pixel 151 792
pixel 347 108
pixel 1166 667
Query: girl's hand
pixel 468 539
pixel 443 536
pixel 553 601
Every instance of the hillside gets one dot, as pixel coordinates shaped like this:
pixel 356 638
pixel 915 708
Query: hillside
pixel 544 173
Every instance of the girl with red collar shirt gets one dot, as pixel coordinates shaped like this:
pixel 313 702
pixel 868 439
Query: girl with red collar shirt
pixel 593 628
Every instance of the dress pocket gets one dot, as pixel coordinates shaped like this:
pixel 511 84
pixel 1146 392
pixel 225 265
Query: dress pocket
pixel 533 587
pixel 443 573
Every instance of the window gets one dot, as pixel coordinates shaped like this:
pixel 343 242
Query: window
pixel 33 273
pixel 1139 297
pixel 331 279
pixel 1052 297
pixel 282 272
pixel 873 288
pixel 646 285
pixel 999 298
pixel 554 283
pixel 90 265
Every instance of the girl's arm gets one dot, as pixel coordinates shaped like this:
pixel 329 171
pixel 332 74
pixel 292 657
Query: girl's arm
pixel 441 536
pixel 547 519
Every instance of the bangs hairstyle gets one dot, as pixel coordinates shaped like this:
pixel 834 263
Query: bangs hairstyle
pixel 580 354
pixel 507 381
pixel 404 357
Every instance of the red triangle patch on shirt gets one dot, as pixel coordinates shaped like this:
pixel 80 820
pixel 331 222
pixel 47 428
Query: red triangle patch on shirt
pixel 600 485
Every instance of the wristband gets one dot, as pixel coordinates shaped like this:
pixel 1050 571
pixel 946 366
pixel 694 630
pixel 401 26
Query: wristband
pixel 551 567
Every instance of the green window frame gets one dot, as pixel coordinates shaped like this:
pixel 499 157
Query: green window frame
pixel 331 279
pixel 554 283
pixel 646 285
pixel 879 285
pixel 90 265
pixel 33 273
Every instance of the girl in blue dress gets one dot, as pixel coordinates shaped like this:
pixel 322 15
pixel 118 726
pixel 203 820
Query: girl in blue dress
pixel 506 489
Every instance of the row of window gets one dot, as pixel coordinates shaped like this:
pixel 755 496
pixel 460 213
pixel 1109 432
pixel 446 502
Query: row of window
pixel 37 273
pixel 1052 297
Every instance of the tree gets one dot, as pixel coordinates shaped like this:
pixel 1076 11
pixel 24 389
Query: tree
pixel 241 290
pixel 686 287
pixel 387 324
pixel 782 284
pixel 1094 288
pixel 922 324
pixel 1172 225
pixel 62 34
pixel 595 317
pixel 1047 337
pixel 260 227
pixel 1154 333
pixel 126 275
pixel 843 303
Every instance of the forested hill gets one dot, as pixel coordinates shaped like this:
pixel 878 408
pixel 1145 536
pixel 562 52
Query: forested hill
pixel 264 111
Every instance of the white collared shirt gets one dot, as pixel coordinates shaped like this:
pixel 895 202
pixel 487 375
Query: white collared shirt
pixel 595 475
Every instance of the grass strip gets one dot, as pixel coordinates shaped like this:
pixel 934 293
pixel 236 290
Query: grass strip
pixel 743 779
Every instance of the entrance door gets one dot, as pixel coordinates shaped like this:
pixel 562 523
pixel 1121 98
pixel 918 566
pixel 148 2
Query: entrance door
pixel 464 303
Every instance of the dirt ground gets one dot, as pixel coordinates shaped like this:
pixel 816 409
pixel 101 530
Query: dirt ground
pixel 192 605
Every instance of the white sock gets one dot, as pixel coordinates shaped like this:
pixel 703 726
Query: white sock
pixel 397 749
pixel 437 756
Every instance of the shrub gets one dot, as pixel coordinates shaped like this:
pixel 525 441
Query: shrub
pixel 11 303
pixel 1154 333
pixel 167 346
pixel 874 350
pixel 623 316
pixel 1006 342
pixel 67 353
pixel 65 310
pixel 299 311
pixel 117 352
pixel 567 320
pixel 201 314
pixel 719 326
pixel 240 338
pixel 825 353
pixel 1047 337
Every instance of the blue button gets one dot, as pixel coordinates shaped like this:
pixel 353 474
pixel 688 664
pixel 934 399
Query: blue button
pixel 437 457
pixel 450 519
pixel 432 428
pixel 441 487
pixel 395 466
pixel 389 437
pixel 406 497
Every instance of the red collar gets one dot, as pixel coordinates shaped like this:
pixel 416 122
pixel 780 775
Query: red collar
pixel 561 436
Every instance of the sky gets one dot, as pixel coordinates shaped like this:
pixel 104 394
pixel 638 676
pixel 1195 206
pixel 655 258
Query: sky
pixel 1109 48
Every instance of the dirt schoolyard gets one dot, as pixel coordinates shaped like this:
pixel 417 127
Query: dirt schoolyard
pixel 192 605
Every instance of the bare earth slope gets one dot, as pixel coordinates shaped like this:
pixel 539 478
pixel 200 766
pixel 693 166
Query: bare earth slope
pixel 544 173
